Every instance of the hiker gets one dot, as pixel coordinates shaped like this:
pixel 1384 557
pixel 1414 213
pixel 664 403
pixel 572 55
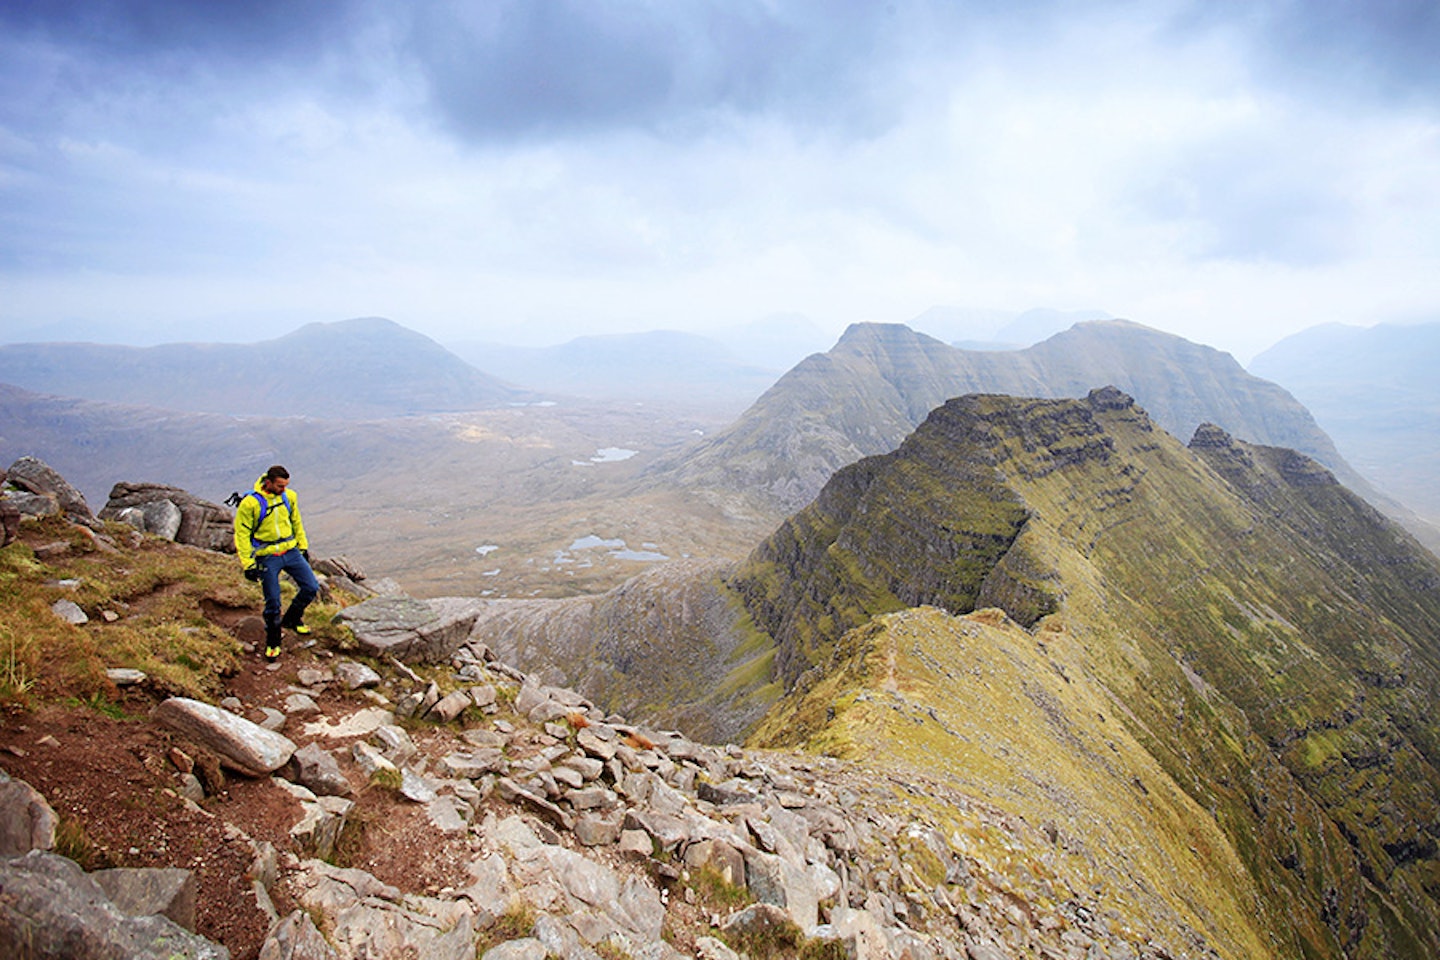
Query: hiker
pixel 270 537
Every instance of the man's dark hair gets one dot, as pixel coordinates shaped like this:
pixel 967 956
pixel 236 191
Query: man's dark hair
pixel 277 471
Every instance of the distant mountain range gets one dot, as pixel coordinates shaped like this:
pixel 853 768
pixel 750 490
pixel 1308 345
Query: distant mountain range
pixel 881 380
pixel 354 369
pixel 1210 670
pixel 664 367
pixel 1375 390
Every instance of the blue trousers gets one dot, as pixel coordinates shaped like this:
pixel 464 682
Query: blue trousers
pixel 293 563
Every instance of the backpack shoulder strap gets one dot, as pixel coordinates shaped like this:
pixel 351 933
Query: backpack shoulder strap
pixel 264 507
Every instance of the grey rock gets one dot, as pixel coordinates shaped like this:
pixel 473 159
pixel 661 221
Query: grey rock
pixel 709 948
pixel 776 881
pixel 27 821
pixel 162 518
pixel 301 705
pixel 485 738
pixel 416 631
pixel 719 856
pixel 415 787
pixel 69 611
pixel 594 745
pixel 513 792
pixel 369 919
pixel 52 910
pixel 667 831
pixel 450 706
pixel 356 676
pixel 492 891
pixel 636 845
pixel 483 695
pixel 595 830
pixel 191 788
pixel 475 764
pixel 370 760
pixel 757 919
pixel 448 815
pixel 587 767
pixel 241 745
pixel 297 938
pixel 316 768
pixel 33 504
pixel 321 819
pixel 201 523
pixel 394 742
pixel 591 798
pixel 36 476
pixel 526 948
pixel 150 891
pixel 272 719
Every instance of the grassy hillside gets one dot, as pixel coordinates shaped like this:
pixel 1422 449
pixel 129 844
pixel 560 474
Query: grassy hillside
pixel 1265 635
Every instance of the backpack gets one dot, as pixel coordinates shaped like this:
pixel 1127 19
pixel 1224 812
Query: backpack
pixel 235 499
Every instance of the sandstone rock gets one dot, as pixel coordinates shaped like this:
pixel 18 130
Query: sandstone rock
pixel 125 677
pixel 321 819
pixel 151 891
pixel 33 504
pixel 417 631
pixel 297 938
pixel 758 919
pixel 635 845
pixel 301 705
pixel 27 822
pixel 243 746
pixel 492 891
pixel 483 695
pixel 52 911
pixel 36 476
pixel 317 770
pixel 513 792
pixel 340 567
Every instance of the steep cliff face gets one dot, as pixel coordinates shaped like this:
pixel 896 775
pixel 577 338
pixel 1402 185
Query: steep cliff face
pixel 1263 634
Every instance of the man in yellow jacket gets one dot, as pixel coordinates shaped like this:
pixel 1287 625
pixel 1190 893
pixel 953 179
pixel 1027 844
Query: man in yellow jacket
pixel 270 538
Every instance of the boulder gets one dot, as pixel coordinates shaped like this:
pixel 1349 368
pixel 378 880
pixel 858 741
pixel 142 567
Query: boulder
pixel 172 513
pixel 52 910
pixel 151 891
pixel 340 567
pixel 243 746
pixel 36 476
pixel 27 822
pixel 416 631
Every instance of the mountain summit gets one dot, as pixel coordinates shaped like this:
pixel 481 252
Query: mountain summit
pixel 354 369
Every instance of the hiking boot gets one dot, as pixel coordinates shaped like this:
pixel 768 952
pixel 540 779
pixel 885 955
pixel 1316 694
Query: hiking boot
pixel 272 652
pixel 301 629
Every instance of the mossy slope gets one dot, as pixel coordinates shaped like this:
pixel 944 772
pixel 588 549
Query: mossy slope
pixel 1263 634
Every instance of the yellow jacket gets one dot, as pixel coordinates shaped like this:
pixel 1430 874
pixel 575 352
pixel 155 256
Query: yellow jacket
pixel 277 530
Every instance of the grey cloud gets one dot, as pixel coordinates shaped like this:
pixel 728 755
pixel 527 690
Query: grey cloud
pixel 521 68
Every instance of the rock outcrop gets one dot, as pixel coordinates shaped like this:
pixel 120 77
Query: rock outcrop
pixel 173 514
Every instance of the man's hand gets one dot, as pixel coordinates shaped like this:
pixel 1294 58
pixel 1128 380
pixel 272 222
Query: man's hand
pixel 252 573
pixel 306 555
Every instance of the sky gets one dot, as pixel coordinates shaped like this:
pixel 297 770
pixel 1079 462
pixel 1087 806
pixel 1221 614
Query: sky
pixel 532 170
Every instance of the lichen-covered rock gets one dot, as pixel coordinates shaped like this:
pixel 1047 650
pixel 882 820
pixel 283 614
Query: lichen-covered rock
pixel 36 476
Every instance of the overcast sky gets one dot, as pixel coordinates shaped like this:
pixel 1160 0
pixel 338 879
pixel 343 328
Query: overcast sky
pixel 530 170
